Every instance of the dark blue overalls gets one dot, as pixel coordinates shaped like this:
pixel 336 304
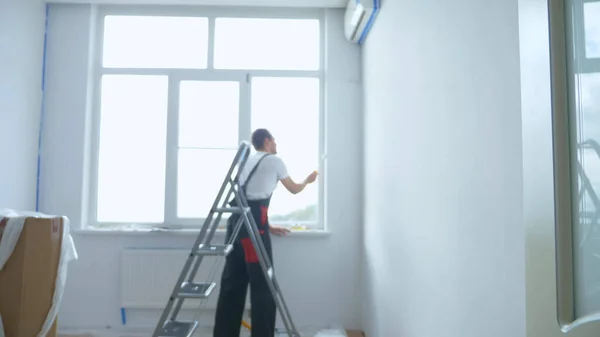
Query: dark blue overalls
pixel 242 268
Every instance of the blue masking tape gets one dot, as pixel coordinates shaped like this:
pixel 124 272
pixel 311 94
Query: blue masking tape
pixel 42 112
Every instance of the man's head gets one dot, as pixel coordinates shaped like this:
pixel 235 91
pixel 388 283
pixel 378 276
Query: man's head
pixel 262 140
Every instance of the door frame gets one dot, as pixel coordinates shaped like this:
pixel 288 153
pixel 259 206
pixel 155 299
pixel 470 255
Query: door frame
pixel 547 179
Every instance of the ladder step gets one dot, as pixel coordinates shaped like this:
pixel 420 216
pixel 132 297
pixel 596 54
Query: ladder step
pixel 178 329
pixel 233 210
pixel 196 289
pixel 214 250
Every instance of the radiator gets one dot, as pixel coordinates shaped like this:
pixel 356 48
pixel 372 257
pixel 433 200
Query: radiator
pixel 149 275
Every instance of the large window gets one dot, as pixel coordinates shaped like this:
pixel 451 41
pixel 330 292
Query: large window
pixel 178 92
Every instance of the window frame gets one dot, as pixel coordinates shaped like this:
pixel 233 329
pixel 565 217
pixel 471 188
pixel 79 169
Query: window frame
pixel 176 75
pixel 566 202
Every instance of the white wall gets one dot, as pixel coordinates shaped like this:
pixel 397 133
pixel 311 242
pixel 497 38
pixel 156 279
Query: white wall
pixel 21 45
pixel 444 233
pixel 319 274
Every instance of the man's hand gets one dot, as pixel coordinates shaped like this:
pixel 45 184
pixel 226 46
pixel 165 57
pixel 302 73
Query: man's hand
pixel 281 231
pixel 311 177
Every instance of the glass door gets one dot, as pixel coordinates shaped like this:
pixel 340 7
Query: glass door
pixel 560 86
pixel 583 71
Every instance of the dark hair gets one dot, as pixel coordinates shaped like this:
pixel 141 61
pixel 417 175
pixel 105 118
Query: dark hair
pixel 258 138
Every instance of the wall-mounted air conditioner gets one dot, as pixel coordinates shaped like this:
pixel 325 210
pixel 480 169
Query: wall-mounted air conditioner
pixel 360 15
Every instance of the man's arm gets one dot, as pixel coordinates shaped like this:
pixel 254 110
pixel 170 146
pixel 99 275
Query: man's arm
pixel 283 176
pixel 292 186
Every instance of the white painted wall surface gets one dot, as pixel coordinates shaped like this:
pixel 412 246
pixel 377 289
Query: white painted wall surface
pixel 444 232
pixel 320 274
pixel 21 45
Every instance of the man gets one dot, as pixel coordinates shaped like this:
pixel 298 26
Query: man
pixel 259 178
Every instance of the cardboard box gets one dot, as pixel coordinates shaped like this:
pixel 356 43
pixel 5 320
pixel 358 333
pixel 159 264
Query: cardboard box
pixel 355 333
pixel 28 278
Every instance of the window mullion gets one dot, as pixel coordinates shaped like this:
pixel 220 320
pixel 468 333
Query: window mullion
pixel 95 139
pixel 211 43
pixel 172 152
pixel 322 178
pixel 245 119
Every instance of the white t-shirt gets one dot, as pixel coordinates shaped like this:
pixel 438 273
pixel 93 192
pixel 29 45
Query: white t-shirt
pixel 264 180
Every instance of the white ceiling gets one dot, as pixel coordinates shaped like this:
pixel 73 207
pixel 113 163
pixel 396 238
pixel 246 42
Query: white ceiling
pixel 253 3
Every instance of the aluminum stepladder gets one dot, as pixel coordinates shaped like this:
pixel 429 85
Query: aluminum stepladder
pixel 186 288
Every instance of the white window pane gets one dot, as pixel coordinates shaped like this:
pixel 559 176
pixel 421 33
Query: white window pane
pixel 269 44
pixel 209 114
pixel 132 153
pixel 290 109
pixel 592 29
pixel 155 42
pixel 200 175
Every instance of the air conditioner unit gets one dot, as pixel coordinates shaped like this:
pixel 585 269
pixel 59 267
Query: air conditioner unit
pixel 360 15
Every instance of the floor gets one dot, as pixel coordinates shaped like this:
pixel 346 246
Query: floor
pixel 202 332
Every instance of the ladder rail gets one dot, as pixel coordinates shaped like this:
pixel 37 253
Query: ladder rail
pixel 279 302
pixel 236 230
pixel 239 160
pixel 266 265
pixel 198 260
pixel 243 153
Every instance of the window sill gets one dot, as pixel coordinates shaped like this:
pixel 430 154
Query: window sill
pixel 180 232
